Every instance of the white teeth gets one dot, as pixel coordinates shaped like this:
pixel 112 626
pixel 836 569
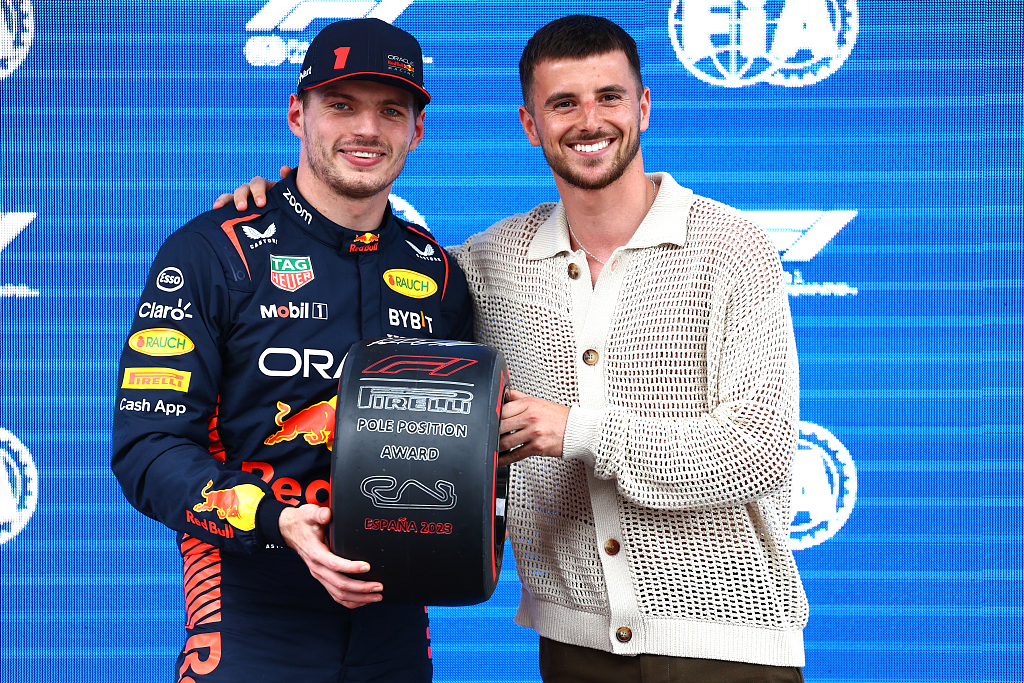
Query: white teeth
pixel 366 155
pixel 592 148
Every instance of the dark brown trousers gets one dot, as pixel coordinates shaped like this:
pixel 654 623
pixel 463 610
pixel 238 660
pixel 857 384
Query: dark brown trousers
pixel 562 663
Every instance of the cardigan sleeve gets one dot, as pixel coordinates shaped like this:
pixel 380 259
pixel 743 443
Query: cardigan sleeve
pixel 738 451
pixel 732 346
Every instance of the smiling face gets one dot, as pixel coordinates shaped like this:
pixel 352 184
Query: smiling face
pixel 587 118
pixel 355 135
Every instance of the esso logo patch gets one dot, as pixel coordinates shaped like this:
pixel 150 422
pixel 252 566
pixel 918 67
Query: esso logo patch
pixel 170 279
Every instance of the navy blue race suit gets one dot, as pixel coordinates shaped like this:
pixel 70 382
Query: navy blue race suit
pixel 225 415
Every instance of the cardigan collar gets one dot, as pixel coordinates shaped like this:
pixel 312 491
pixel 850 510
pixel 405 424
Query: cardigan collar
pixel 665 222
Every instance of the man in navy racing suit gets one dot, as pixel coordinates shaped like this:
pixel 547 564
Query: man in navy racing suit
pixel 223 425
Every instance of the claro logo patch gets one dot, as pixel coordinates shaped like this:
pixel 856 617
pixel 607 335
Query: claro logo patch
pixel 161 341
pixel 410 283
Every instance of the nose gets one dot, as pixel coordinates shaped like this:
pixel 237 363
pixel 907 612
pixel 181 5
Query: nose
pixel 365 124
pixel 588 116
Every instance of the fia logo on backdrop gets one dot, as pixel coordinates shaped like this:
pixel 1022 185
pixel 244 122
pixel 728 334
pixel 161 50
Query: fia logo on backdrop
pixel 17 28
pixel 18 477
pixel 733 43
pixel 824 487
pixel 18 486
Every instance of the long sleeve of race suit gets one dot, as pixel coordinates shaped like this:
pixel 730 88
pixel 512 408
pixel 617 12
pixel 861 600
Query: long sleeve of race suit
pixel 167 393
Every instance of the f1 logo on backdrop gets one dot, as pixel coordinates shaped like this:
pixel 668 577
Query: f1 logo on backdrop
pixel 17 28
pixel 733 43
pixel 11 225
pixel 432 365
pixel 282 25
pixel 799 236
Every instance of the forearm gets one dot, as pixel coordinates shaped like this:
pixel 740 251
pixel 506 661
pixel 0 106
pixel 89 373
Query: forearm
pixel 739 448
pixel 183 487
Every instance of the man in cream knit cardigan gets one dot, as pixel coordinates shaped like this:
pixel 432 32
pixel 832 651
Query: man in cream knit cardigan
pixel 648 334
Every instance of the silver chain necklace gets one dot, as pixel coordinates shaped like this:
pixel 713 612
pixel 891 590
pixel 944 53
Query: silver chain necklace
pixel 587 251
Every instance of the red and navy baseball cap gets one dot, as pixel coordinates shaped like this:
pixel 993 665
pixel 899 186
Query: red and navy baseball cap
pixel 365 50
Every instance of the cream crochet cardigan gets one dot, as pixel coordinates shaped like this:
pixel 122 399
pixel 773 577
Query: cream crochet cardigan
pixel 680 437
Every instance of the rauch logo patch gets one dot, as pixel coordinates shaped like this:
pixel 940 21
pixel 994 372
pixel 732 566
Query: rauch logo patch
pixel 410 283
pixel 161 341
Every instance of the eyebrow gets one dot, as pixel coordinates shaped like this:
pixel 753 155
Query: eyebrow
pixel 389 102
pixel 569 95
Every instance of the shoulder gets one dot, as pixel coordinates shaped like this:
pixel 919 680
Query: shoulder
pixel 214 236
pixel 515 232
pixel 418 235
pixel 742 249
pixel 713 221
pixel 417 241
pixel 218 224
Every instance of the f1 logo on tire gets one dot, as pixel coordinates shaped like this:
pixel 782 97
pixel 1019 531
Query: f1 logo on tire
pixel 432 365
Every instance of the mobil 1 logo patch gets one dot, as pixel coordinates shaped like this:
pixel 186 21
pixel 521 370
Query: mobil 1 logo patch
pixel 301 310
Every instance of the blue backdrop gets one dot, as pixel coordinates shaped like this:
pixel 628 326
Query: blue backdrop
pixel 879 143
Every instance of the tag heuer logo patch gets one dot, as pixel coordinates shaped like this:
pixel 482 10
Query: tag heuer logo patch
pixel 290 272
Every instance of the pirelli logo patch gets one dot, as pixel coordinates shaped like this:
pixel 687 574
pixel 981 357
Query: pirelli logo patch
pixel 156 378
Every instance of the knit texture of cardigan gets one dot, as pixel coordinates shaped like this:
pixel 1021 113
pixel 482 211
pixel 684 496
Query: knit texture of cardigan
pixel 680 438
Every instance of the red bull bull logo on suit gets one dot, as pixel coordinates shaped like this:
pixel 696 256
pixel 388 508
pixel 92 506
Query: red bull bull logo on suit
pixel 315 424
pixel 236 505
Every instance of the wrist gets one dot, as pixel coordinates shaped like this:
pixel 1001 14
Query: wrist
pixel 268 521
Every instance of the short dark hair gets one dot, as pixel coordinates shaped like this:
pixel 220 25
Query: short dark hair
pixel 576 36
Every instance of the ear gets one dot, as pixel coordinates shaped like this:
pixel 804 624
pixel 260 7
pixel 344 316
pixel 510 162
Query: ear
pixel 645 109
pixel 529 126
pixel 417 135
pixel 295 115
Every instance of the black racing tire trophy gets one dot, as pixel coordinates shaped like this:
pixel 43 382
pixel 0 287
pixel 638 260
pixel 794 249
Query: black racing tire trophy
pixel 416 490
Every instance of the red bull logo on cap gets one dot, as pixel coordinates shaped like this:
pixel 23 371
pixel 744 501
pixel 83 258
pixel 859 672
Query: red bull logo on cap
pixel 315 424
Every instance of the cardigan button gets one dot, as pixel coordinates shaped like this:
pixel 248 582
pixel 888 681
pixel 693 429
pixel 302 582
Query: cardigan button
pixel 623 634
pixel 590 357
pixel 574 271
pixel 611 546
